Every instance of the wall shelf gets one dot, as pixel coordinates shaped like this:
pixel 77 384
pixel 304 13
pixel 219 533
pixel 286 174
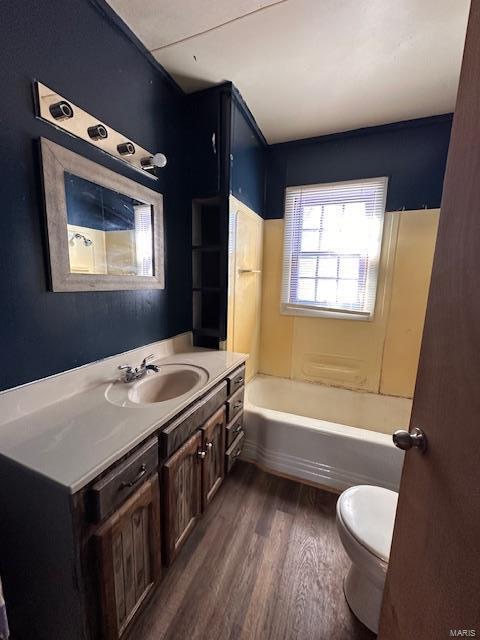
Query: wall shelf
pixel 208 271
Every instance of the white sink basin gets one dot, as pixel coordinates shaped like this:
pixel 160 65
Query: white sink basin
pixel 171 382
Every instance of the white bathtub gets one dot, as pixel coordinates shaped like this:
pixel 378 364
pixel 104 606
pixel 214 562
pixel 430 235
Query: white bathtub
pixel 324 435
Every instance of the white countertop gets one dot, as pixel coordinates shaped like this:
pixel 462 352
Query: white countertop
pixel 73 440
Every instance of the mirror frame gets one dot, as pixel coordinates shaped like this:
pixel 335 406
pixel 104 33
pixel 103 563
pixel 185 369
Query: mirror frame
pixel 57 160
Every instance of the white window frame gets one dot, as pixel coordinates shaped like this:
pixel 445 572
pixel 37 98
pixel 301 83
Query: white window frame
pixel 291 254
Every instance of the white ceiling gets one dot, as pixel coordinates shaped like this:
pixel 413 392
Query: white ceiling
pixel 311 67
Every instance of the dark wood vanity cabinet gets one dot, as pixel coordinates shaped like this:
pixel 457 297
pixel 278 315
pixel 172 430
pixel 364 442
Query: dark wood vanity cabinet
pixel 132 521
pixel 129 558
pixel 190 479
pixel 213 445
pixel 182 499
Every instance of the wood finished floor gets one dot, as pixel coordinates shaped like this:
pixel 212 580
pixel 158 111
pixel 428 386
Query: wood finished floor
pixel 264 563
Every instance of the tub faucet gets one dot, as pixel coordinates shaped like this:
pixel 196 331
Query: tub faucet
pixel 135 373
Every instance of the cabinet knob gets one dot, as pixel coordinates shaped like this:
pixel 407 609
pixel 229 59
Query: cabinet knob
pixel 208 446
pixel 201 454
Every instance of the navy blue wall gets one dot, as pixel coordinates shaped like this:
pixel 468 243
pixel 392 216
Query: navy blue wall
pixel 412 154
pixel 248 157
pixel 71 47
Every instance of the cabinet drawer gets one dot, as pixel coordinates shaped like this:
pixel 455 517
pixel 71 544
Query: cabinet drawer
pixel 233 428
pixel 234 451
pixel 235 404
pixel 236 380
pixel 178 431
pixel 113 489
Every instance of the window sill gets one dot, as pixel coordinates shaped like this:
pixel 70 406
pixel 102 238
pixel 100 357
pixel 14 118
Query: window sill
pixel 310 312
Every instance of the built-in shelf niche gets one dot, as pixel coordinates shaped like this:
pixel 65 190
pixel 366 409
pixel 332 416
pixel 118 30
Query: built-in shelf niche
pixel 208 270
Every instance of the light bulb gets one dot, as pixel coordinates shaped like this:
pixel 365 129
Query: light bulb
pixel 157 160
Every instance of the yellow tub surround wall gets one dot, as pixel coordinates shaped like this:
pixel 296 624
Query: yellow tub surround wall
pixel 121 256
pixel 411 279
pixel 245 283
pixel 352 353
pixel 87 259
pixel 111 252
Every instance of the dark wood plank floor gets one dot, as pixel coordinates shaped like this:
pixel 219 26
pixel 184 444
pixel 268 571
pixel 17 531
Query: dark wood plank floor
pixel 264 563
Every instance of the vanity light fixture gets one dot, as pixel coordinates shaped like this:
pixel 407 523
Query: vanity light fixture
pixel 97 132
pixel 126 149
pixel 61 110
pixel 157 160
pixel 62 113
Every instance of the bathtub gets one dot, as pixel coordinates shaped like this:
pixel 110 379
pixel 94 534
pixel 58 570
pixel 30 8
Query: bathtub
pixel 330 437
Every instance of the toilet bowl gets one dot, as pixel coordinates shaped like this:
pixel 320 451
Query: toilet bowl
pixel 365 519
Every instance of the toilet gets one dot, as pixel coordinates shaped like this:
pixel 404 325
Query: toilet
pixel 365 519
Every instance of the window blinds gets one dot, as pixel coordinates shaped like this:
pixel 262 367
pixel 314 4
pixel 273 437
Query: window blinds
pixel 332 244
pixel 143 239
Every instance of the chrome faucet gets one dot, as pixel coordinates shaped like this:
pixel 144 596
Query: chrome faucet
pixel 135 373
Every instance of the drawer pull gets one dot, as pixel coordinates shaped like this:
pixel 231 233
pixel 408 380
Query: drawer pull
pixel 238 404
pixel 201 454
pixel 138 477
pixel 239 380
pixel 238 428
pixel 237 453
pixel 208 446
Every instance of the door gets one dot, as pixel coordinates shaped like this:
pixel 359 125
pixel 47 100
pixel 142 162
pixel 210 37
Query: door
pixel 129 558
pixel 213 471
pixel 432 589
pixel 182 484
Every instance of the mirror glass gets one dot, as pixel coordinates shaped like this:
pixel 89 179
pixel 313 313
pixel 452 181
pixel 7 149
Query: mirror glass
pixel 108 233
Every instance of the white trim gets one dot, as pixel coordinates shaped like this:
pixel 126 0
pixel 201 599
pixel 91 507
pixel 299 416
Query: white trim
pixel 320 312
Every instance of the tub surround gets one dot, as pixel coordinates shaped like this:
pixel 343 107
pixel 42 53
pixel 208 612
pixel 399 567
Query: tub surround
pixel 380 356
pixel 245 283
pixel 65 428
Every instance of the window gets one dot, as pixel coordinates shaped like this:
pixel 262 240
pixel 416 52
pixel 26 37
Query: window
pixel 333 236
pixel 143 239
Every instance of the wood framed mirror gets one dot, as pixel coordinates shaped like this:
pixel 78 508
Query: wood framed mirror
pixel 105 231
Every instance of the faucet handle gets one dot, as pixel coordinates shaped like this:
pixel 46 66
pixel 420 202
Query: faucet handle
pixel 147 358
pixel 125 367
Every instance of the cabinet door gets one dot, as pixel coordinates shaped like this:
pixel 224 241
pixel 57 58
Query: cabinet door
pixel 182 481
pixel 205 144
pixel 129 558
pixel 213 472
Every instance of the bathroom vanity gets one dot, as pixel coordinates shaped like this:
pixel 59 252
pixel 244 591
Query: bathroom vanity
pixel 88 537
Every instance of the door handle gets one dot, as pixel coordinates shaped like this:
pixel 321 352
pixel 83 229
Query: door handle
pixel 408 439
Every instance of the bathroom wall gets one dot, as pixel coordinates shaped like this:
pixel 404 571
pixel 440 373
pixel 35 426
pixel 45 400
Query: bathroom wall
pixel 248 157
pixel 74 48
pixel 245 283
pixel 382 355
pixel 412 154
pixel 415 247
pixel 378 356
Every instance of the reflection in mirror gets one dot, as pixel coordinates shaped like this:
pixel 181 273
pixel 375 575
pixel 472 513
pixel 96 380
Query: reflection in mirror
pixel 108 232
